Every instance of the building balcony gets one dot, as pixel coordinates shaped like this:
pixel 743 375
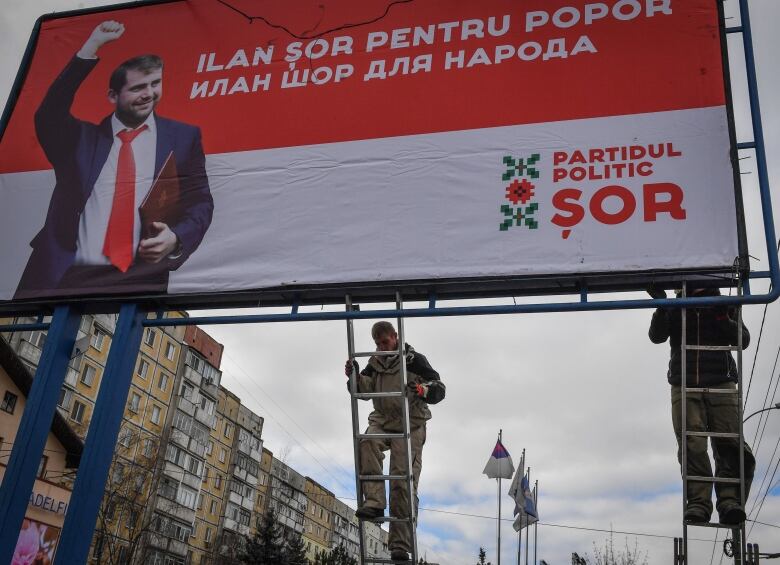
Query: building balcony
pixel 180 438
pixel 197 448
pixel 72 377
pixel 177 547
pixel 192 481
pixel 192 375
pixel 235 498
pixel 210 387
pixel 239 473
pixel 186 406
pixel 176 510
pixel 205 418
pixel 29 352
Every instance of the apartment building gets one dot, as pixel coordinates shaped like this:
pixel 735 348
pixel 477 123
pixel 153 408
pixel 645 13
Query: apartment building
pixel 345 529
pixel 287 496
pixel 317 521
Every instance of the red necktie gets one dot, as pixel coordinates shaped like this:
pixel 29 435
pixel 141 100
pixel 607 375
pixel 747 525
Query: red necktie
pixel 118 245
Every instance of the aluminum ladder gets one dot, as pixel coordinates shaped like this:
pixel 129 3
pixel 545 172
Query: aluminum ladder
pixel 738 531
pixel 357 436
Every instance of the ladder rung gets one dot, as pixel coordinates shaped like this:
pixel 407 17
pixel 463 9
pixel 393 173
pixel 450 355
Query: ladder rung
pixel 713 525
pixel 369 395
pixel 384 477
pixel 375 353
pixel 713 390
pixel 388 435
pixel 713 434
pixel 700 479
pixel 712 347
pixel 389 519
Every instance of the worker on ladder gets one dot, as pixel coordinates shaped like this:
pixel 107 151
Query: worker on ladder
pixel 383 374
pixel 706 369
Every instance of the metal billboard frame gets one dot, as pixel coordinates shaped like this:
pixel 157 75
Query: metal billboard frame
pixel 133 318
pixel 582 284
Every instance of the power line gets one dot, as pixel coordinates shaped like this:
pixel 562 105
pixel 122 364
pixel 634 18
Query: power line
pixel 760 333
pixel 292 420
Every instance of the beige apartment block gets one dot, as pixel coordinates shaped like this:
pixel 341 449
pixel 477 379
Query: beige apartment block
pixel 318 523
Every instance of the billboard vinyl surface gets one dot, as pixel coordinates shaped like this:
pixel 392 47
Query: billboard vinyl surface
pixel 246 147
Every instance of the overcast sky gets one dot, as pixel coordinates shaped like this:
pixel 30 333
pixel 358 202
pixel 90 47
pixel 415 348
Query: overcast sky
pixel 584 393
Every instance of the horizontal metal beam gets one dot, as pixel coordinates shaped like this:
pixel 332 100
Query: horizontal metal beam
pixel 469 310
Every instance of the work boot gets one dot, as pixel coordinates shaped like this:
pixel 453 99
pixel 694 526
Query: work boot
pixel 369 513
pixel 732 515
pixel 696 515
pixel 399 556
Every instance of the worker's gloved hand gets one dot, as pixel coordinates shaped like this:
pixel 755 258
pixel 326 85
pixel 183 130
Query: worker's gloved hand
pixel 348 367
pixel 418 389
pixel 656 292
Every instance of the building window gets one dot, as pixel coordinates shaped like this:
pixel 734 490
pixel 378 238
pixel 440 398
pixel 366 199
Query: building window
pixel 228 430
pixel 149 337
pixel 222 454
pixel 124 437
pixel 210 448
pixel 77 412
pixel 213 509
pixel 155 414
pixel 97 339
pixel 186 496
pixel 218 482
pixel 148 447
pixel 66 395
pixel 135 402
pixel 162 382
pixel 88 374
pixel 42 466
pixel 208 535
pixel 143 368
pixel 170 351
pixel 187 391
pixel 9 402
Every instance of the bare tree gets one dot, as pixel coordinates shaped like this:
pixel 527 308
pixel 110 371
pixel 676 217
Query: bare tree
pixel 122 522
pixel 609 556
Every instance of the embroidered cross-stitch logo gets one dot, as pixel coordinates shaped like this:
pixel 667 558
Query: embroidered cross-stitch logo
pixel 520 192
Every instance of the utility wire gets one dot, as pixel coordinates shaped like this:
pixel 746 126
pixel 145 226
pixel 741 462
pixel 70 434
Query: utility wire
pixel 761 418
pixel 327 470
pixel 758 343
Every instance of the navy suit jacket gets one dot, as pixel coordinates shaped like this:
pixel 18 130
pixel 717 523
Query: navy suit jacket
pixel 78 150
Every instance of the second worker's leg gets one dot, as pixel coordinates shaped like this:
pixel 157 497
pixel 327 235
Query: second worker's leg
pixel 699 502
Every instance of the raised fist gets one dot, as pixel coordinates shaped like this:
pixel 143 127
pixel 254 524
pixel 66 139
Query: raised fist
pixel 109 30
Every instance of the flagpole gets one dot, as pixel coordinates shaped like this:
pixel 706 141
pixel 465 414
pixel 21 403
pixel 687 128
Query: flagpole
pixel 536 507
pixel 520 533
pixel 498 524
pixel 527 527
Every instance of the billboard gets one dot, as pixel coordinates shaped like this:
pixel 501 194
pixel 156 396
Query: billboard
pixel 200 147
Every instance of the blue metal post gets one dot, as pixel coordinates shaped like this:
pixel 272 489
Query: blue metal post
pixel 758 139
pixel 35 427
pixel 101 439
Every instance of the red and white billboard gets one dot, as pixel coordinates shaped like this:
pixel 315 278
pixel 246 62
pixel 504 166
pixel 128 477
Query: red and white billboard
pixel 208 146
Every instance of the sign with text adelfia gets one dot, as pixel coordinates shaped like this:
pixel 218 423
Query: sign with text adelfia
pixel 205 146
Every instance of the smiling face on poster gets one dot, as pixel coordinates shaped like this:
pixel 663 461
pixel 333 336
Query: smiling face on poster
pixel 355 143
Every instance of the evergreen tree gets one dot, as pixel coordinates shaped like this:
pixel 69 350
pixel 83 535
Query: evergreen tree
pixel 482 557
pixel 295 553
pixel 339 556
pixel 266 547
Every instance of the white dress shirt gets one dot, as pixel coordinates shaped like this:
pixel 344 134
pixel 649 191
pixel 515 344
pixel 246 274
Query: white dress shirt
pixel 94 220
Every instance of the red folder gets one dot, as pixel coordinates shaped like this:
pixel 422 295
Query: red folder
pixel 162 202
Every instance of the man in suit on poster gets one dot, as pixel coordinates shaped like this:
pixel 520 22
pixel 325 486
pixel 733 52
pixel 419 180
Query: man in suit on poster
pixel 93 240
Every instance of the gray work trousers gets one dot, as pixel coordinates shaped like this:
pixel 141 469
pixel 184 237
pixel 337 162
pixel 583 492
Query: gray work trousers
pixel 714 413
pixel 371 458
